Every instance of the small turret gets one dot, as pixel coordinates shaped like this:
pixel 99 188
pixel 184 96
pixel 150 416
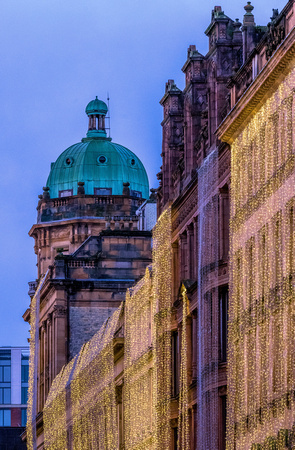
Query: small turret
pixel 96 110
pixel 248 30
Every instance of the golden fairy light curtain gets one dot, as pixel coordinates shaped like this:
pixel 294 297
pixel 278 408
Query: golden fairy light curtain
pixel 207 310
pixel 81 406
pixel 261 367
pixel 162 287
pixel 147 375
pixel 138 367
pixel 33 365
pixel 183 420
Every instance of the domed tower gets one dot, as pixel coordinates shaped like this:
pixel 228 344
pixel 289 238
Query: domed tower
pixel 87 242
pixel 93 185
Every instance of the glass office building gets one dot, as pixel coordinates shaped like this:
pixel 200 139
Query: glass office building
pixel 14 377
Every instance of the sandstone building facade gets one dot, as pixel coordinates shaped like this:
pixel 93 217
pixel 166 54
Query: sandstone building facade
pixel 157 373
pixel 260 130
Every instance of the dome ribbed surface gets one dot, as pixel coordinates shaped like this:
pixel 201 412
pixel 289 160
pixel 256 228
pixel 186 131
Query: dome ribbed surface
pixel 81 162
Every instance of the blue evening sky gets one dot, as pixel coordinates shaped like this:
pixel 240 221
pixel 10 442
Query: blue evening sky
pixel 56 55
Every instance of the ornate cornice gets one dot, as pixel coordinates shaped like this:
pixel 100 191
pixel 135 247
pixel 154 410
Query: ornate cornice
pixel 260 89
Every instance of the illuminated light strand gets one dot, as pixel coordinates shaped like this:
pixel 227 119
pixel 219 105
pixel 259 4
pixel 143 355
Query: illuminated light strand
pixel 33 365
pixel 81 405
pixel 138 366
pixel 183 420
pixel 208 256
pixel 261 358
pixel 162 294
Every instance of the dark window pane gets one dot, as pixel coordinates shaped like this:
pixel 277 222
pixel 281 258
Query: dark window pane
pixel 6 418
pixel 175 364
pixel 66 193
pixel 24 395
pixel 4 362
pixel 6 396
pixel 1 396
pixel 5 355
pixel 24 417
pixel 1 417
pixel 102 191
pixel 136 194
pixel 223 319
pixel 1 374
pixel 25 374
pixel 6 374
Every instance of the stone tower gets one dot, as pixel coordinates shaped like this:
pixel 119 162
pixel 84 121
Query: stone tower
pixel 87 242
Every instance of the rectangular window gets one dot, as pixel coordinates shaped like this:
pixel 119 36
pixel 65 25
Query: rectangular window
pixel 102 191
pixel 291 244
pixel 5 374
pixel 251 270
pixel 263 263
pixel 65 193
pixel 175 438
pixel 5 395
pixel 5 418
pixel 137 194
pixel 223 421
pixel 24 399
pixel 25 357
pixel 24 417
pixel 175 363
pixel 5 357
pixel 289 126
pixel 5 377
pixel 275 136
pixel 223 319
pixel 25 374
pixel 278 249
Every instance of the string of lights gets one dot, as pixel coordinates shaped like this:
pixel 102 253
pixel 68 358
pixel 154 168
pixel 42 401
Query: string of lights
pixel 261 357
pixel 183 421
pixel 81 405
pixel 138 366
pixel 81 408
pixel 162 289
pixel 207 317
pixel 33 365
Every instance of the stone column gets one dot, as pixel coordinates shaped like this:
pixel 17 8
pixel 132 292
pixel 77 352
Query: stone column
pixel 179 329
pixel 46 365
pixel 188 252
pixel 60 345
pixel 189 349
pixel 180 261
pixel 175 268
pixel 196 249
pixel 223 223
pixel 181 257
pixel 195 345
pixel 49 345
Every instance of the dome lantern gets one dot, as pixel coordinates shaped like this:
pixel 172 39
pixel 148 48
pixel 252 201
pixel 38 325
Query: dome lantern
pixel 96 111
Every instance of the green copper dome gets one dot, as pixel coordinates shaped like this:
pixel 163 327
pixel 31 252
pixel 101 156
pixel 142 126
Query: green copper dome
pixel 96 107
pixel 102 165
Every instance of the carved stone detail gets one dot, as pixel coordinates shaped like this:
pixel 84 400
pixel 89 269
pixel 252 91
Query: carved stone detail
pixel 59 311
